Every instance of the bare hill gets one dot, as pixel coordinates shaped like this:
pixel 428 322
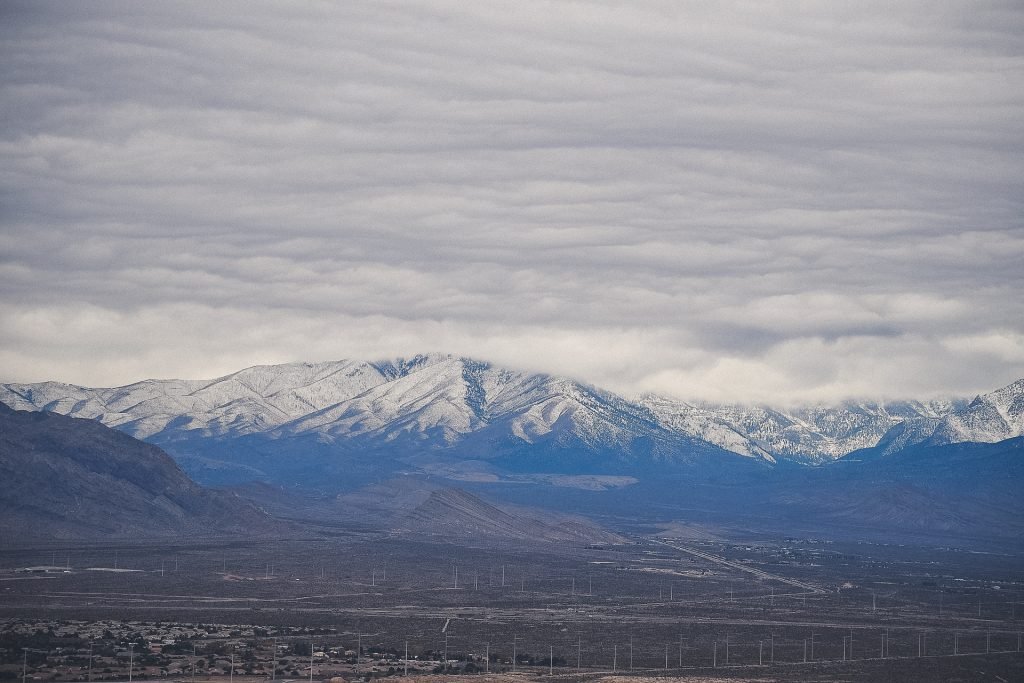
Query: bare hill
pixel 66 477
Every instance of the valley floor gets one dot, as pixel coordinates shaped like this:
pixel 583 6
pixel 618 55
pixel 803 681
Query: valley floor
pixel 370 605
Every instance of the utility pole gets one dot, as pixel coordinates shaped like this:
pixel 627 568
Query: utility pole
pixel 487 658
pixel 273 662
pixel 631 653
pixel 714 656
pixel 131 660
pixel 551 660
pixel 232 676
pixel 579 653
pixel 406 672
pixel 194 661
pixel 771 657
pixel 615 658
pixel 514 637
pixel 89 676
pixel 311 661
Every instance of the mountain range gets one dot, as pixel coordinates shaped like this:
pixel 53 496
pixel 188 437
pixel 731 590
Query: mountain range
pixel 435 422
pixel 439 402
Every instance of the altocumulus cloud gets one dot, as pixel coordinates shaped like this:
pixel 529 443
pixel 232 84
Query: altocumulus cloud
pixel 767 201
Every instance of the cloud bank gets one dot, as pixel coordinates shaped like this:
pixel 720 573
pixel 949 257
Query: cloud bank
pixel 767 202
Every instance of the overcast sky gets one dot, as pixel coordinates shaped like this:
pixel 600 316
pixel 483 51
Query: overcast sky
pixel 773 202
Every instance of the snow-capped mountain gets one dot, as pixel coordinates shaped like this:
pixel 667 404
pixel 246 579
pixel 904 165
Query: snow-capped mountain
pixel 989 418
pixel 473 410
pixel 811 434
pixel 250 401
pixel 427 403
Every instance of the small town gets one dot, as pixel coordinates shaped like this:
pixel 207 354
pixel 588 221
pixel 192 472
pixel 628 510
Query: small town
pixel 129 650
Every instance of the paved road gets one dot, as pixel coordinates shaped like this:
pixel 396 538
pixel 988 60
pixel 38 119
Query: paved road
pixel 740 567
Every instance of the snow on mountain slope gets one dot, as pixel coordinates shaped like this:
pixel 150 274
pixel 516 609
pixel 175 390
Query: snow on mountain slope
pixel 253 400
pixel 989 418
pixel 429 401
pixel 993 417
pixel 810 434
pixel 440 401
pixel 704 423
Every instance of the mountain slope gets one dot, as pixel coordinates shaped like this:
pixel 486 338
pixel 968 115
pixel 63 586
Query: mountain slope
pixel 811 434
pixel 249 401
pixel 379 414
pixel 415 507
pixel 989 418
pixel 66 477
pixel 356 421
pixel 965 489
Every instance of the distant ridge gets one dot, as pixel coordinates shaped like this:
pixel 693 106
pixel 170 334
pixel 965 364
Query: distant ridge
pixel 454 512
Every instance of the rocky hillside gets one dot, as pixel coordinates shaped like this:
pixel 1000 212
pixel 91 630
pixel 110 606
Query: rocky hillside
pixel 67 477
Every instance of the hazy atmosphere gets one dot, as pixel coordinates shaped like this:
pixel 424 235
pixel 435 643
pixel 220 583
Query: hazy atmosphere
pixel 777 202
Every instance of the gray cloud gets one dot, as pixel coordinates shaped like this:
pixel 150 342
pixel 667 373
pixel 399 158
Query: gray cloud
pixel 746 203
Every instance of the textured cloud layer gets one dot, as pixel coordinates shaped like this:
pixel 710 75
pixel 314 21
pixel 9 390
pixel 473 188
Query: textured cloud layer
pixel 768 202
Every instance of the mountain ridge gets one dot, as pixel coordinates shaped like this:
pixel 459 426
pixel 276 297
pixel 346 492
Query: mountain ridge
pixel 441 401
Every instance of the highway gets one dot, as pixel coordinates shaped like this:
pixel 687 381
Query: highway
pixel 740 567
